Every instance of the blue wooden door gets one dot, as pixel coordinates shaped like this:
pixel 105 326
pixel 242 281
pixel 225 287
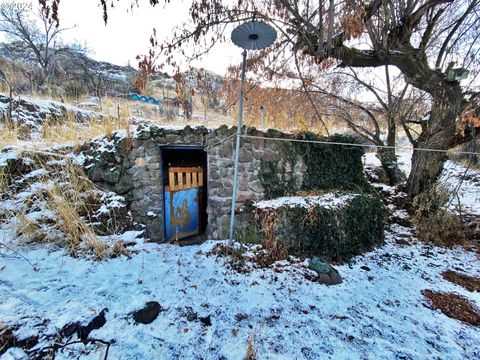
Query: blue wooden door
pixel 182 203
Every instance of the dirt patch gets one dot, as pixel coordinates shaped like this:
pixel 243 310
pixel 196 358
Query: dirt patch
pixel 470 283
pixel 454 306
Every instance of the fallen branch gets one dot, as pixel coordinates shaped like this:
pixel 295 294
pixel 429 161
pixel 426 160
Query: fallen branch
pixel 57 346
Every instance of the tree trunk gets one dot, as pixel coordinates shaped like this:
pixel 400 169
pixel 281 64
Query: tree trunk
pixel 388 157
pixel 438 134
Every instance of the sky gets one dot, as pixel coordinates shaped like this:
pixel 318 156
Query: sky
pixel 127 32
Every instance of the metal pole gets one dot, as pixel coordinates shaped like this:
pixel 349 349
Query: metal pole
pixel 237 146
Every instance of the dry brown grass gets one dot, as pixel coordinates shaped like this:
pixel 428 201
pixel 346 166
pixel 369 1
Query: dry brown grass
pixel 454 306
pixel 436 224
pixel 251 347
pixel 4 180
pixel 274 251
pixel 78 233
pixel 471 283
pixel 72 132
pixel 10 134
pixel 64 195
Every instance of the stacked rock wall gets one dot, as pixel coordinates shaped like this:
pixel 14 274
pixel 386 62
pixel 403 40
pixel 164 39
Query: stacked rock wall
pixel 131 167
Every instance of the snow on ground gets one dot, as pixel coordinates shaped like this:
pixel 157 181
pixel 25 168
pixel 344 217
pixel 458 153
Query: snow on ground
pixel 404 161
pixel 467 183
pixel 377 312
pixel 328 200
pixel 462 181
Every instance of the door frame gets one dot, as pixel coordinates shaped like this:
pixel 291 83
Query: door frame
pixel 177 147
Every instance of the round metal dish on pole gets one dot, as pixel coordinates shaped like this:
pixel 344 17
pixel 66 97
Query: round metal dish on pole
pixel 253 35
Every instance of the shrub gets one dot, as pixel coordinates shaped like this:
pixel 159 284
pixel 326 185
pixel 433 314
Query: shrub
pixel 327 167
pixel 435 223
pixel 332 233
pixel 341 233
pixel 331 166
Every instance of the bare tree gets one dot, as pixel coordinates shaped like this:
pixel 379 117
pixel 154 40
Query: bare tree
pixel 421 38
pixel 377 120
pixel 38 33
pixel 408 35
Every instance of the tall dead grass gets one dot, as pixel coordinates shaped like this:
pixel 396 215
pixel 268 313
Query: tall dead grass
pixel 4 180
pixel 10 134
pixel 73 132
pixel 63 194
pixel 79 235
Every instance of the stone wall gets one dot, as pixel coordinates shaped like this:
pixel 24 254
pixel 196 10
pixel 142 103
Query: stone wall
pixel 131 167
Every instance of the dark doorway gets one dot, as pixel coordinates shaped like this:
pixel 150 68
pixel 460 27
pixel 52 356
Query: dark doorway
pixel 184 177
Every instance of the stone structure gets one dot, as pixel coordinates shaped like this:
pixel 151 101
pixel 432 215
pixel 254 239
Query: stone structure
pixel 131 167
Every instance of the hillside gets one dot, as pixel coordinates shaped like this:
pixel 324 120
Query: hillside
pixel 78 74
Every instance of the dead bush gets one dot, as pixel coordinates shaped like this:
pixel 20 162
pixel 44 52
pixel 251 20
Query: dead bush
pixel 274 251
pixel 470 283
pixel 236 254
pixel 454 306
pixel 435 223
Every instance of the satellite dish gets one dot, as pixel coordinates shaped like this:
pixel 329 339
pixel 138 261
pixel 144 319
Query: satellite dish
pixel 254 35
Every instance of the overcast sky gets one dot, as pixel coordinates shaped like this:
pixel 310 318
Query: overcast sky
pixel 127 33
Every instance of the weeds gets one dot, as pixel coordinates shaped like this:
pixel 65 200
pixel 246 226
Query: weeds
pixel 435 223
pixel 64 203
pixel 10 134
pixel 236 254
pixel 274 251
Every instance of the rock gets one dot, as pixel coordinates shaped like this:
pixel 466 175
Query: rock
pixel 112 176
pixel 147 314
pixel 226 150
pixel 245 155
pixel 191 315
pixel 327 274
pixel 256 186
pixel 96 323
pixel 241 316
pixel 83 331
pixel 364 267
pixel 402 242
pixel 143 134
pixel 206 321
pixel 123 186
